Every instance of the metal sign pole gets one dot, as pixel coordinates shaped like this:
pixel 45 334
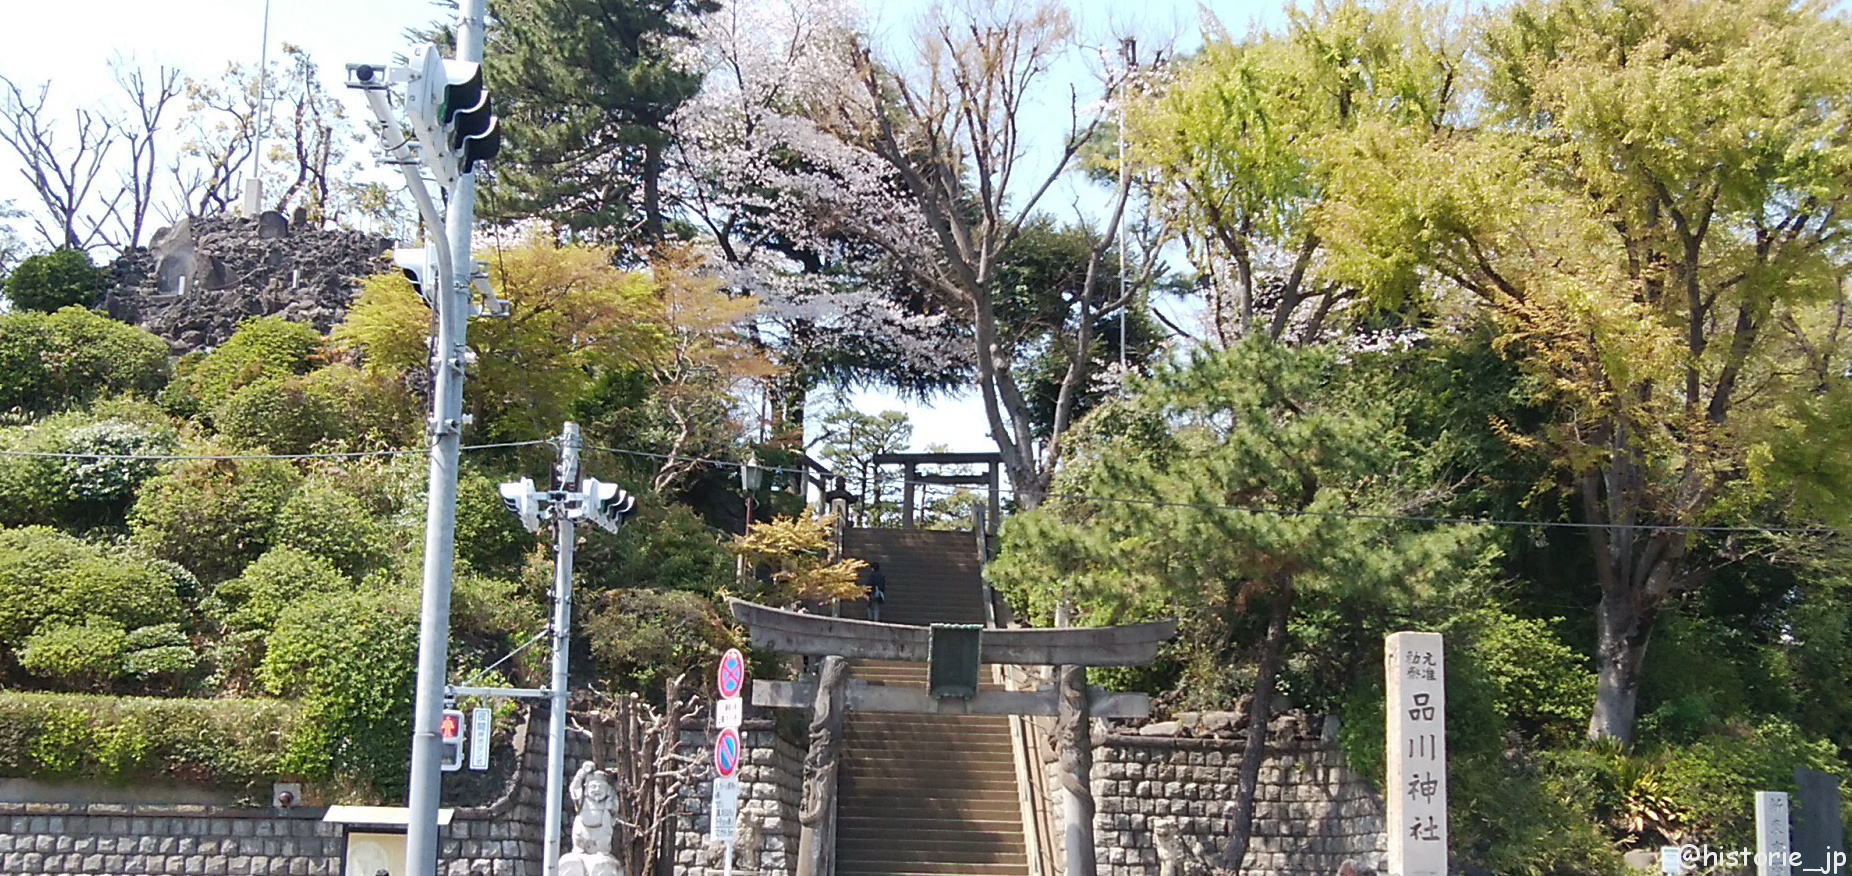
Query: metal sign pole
pixel 569 443
pixel 451 300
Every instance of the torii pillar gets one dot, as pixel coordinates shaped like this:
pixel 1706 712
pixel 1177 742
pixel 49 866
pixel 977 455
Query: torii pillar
pixel 1071 650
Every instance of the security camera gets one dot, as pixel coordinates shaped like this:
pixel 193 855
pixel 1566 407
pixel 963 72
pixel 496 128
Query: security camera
pixel 366 76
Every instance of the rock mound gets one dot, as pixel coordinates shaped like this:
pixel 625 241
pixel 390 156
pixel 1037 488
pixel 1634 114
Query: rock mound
pixel 197 280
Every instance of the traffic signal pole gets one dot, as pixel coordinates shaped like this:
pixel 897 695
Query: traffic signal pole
pixel 569 444
pixel 451 302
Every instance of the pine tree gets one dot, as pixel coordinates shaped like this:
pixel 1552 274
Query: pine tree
pixel 585 89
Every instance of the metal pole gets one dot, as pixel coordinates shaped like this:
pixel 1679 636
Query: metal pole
pixel 452 304
pixel 569 444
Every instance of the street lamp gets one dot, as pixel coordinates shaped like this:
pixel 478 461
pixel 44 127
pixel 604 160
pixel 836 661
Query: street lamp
pixel 751 478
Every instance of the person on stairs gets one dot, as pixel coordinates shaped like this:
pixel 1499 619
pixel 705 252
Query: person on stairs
pixel 876 584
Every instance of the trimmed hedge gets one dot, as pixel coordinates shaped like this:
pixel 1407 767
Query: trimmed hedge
pixel 122 740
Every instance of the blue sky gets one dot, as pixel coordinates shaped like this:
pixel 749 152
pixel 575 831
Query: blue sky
pixel 70 43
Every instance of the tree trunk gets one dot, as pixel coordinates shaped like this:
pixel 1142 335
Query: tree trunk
pixel 1623 625
pixel 1241 821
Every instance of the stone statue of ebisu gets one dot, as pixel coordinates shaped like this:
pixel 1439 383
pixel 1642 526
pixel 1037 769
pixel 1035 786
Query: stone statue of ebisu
pixel 596 799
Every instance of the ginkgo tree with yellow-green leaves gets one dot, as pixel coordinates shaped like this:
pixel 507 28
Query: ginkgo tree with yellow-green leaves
pixel 575 318
pixel 1646 200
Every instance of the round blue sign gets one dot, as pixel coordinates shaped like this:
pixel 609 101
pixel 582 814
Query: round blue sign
pixel 727 753
pixel 731 679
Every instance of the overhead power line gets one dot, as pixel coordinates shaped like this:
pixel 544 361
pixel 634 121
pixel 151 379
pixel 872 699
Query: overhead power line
pixel 242 457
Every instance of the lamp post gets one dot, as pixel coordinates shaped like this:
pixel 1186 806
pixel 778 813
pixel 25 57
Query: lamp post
pixel 751 477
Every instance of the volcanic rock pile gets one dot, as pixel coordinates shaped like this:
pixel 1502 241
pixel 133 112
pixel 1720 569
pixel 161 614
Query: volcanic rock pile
pixel 197 280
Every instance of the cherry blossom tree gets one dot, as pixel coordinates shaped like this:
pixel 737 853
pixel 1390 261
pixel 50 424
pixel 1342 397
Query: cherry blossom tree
pixel 823 148
pixel 766 184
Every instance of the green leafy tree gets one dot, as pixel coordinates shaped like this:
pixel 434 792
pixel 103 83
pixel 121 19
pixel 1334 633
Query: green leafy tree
pixel 53 361
pixel 1240 144
pixel 645 637
pixel 1644 203
pixel 1219 491
pixel 58 279
pixel 585 89
pixel 848 442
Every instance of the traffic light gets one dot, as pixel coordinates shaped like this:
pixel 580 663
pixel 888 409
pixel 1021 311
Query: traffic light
pixel 417 266
pixel 451 733
pixel 450 114
pixel 605 504
pixel 521 499
pixel 474 134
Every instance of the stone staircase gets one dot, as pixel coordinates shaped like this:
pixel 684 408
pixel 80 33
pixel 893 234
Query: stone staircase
pixel 926 794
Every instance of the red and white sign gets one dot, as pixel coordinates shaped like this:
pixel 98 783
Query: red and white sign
pixel 730 681
pixel 727 753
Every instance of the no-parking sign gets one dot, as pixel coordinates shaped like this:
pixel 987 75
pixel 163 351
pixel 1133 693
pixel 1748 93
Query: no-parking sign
pixel 730 680
pixel 727 753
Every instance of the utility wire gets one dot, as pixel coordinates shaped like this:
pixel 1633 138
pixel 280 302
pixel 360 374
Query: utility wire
pixel 667 457
pixel 1438 520
pixel 510 655
pixel 351 454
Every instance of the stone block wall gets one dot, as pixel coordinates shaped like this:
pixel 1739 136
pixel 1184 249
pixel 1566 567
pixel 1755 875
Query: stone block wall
pixel 502 838
pixel 1162 797
pixel 771 790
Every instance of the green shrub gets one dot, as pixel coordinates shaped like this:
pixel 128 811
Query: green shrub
pixel 1508 819
pixel 76 655
pixel 1714 781
pixel 1544 688
pixel 350 657
pixel 263 348
pixel 645 637
pixel 489 539
pixel 80 493
pixel 376 409
pixel 123 740
pixel 323 520
pixel 49 577
pixel 279 415
pixel 282 577
pixel 57 279
pixel 665 547
pixel 53 361
pixel 159 651
pixel 32 559
pixel 212 516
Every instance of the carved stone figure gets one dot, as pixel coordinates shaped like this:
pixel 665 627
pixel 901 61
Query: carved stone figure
pixel 1074 745
pixel 748 840
pixel 816 817
pixel 1175 857
pixel 595 798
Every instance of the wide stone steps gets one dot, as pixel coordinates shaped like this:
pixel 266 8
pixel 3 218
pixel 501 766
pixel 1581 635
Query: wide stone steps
pixel 925 795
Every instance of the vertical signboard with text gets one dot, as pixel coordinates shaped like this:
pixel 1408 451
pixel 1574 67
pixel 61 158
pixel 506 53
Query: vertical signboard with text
pixel 1416 713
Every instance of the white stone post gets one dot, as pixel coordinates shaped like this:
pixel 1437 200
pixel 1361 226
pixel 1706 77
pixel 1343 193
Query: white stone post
pixel 1416 717
pixel 1772 846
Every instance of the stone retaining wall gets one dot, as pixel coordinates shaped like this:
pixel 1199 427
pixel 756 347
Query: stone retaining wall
pixel 771 790
pixel 1160 798
pixel 131 839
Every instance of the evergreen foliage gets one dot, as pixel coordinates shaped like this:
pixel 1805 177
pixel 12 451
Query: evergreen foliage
pixel 56 280
pixel 54 361
pixel 585 89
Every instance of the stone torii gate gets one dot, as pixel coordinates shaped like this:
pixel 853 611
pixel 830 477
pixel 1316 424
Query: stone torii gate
pixel 954 653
